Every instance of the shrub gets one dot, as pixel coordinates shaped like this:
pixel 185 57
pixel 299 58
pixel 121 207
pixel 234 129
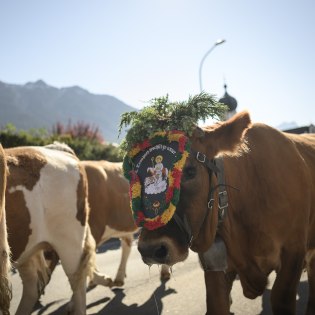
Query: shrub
pixel 86 141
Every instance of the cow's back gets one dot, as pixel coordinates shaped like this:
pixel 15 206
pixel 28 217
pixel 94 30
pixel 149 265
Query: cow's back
pixel 108 199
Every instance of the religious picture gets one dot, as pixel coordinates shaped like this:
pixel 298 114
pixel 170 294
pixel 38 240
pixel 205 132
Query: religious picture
pixel 156 182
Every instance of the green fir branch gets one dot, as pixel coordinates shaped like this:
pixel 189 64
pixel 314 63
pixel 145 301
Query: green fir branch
pixel 163 115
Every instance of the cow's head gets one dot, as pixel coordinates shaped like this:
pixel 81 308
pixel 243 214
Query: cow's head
pixel 169 244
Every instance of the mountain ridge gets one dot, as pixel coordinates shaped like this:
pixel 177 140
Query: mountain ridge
pixel 39 105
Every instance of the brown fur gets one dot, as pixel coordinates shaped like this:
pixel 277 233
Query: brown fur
pixel 76 247
pixel 28 160
pixel 24 169
pixel 19 231
pixel 109 206
pixel 271 216
pixel 82 214
pixel 5 286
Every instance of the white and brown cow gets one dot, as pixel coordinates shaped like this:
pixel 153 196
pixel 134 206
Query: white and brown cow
pixel 110 216
pixel 5 287
pixel 47 209
pixel 267 222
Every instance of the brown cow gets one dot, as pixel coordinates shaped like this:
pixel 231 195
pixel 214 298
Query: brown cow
pixel 47 208
pixel 110 212
pixel 265 222
pixel 5 287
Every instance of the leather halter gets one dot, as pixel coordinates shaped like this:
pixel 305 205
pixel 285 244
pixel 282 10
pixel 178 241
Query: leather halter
pixel 214 166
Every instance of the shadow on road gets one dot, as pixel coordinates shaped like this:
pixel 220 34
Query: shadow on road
pixel 112 244
pixel 115 305
pixel 153 305
pixel 300 304
pixel 43 308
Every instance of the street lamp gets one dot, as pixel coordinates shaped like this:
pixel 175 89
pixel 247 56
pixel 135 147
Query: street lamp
pixel 217 43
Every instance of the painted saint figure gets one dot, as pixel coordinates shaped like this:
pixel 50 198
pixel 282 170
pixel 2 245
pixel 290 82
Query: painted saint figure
pixel 156 182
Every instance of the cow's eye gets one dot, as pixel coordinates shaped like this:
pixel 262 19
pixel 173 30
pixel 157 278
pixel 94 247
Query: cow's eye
pixel 189 172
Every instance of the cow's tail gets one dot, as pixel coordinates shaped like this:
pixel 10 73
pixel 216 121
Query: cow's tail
pixel 88 259
pixel 5 265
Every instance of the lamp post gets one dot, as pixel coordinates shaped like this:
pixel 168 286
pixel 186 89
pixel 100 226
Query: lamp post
pixel 217 43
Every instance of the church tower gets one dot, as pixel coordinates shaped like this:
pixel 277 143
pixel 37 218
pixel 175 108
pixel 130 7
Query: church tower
pixel 230 102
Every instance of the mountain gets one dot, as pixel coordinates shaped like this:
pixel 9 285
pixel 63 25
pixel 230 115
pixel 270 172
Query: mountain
pixel 39 105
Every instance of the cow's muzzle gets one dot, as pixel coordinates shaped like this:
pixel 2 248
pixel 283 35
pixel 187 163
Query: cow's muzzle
pixel 154 253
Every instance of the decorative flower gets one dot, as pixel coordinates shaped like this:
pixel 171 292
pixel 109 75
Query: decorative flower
pixel 180 164
pixel 177 175
pixel 169 193
pixel 145 144
pixel 136 190
pixel 168 213
pixel 134 151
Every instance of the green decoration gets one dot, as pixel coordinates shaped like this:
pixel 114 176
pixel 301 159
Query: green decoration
pixel 163 115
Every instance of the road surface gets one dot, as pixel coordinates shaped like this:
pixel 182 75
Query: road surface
pixel 144 293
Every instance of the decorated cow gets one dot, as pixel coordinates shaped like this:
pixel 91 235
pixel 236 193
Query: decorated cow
pixel 241 195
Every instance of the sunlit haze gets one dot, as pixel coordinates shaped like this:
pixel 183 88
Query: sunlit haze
pixel 136 50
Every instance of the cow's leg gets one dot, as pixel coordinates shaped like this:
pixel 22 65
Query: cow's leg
pixel 283 293
pixel 35 275
pixel 165 273
pixel 78 263
pixel 5 286
pixel 218 288
pixel 310 265
pixel 126 243
pixel 100 279
pixel 70 262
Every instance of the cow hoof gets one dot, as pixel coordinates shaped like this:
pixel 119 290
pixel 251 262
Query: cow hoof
pixel 106 282
pixel 69 308
pixel 165 276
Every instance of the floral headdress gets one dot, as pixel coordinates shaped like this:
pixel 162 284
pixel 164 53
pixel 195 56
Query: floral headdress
pixel 156 148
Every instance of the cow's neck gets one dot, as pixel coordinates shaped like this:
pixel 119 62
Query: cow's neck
pixel 209 245
pixel 214 256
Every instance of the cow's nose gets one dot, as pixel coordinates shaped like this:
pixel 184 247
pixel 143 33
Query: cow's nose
pixel 153 254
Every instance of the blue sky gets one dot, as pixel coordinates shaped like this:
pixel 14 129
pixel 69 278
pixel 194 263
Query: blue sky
pixel 136 50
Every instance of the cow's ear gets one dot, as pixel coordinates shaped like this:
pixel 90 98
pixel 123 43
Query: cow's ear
pixel 199 133
pixel 226 137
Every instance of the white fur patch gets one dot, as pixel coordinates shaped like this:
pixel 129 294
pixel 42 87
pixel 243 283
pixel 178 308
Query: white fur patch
pixel 52 203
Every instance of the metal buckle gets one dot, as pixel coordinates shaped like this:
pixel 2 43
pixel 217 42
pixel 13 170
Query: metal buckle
pixel 210 203
pixel 203 157
pixel 222 196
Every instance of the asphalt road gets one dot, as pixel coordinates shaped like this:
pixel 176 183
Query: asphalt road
pixel 144 293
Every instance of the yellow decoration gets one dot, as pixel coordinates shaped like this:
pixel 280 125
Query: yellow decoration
pixel 170 179
pixel 167 215
pixel 136 190
pixel 134 151
pixel 180 164
pixel 174 136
